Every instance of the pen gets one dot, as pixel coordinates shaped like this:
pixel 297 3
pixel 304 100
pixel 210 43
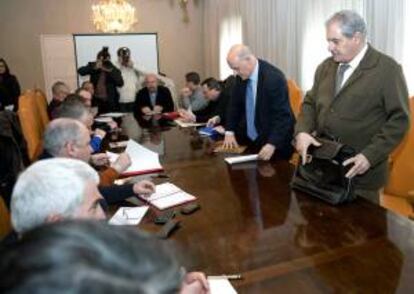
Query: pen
pixel 229 277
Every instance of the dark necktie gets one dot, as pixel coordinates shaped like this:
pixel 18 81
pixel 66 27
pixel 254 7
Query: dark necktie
pixel 340 76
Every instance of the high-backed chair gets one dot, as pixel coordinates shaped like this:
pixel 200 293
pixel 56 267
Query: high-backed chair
pixel 295 97
pixel 31 123
pixel 41 103
pixel 5 223
pixel 400 184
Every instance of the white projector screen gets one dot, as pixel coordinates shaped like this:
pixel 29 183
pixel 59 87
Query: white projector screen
pixel 144 49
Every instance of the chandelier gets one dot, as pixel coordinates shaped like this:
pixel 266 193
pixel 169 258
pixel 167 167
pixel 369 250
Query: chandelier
pixel 113 16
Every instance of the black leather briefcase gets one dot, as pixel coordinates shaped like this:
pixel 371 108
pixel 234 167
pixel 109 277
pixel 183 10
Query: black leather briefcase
pixel 323 176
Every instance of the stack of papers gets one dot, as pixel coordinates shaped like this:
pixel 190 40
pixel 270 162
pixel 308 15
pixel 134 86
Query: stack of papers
pixel 113 114
pixel 128 216
pixel 103 119
pixel 220 286
pixel 241 159
pixel 168 195
pixel 143 160
pixel 188 124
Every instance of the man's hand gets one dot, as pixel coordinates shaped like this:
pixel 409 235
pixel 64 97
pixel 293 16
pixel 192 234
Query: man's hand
pixel 112 124
pixel 361 165
pixel 99 159
pixel 215 120
pixel 303 141
pixel 100 133
pixel 230 141
pixel 144 188
pixel 186 116
pixel 146 110
pixel 266 152
pixel 195 283
pixel 185 92
pixel 158 109
pixel 122 163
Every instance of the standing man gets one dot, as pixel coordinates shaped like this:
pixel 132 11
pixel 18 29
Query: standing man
pixel 259 113
pixel 132 80
pixel 359 97
pixel 105 77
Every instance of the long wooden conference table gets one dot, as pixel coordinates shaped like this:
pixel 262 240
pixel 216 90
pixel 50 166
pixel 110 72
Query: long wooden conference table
pixel 280 241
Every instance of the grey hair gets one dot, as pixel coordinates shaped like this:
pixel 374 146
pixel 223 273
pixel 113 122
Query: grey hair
pixel 89 257
pixel 59 132
pixel 49 187
pixel 350 23
pixel 57 86
pixel 72 107
pixel 241 51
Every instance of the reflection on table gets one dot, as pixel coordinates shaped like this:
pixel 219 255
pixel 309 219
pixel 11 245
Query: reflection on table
pixel 280 241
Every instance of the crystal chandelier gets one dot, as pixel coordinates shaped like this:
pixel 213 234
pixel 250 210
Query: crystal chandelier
pixel 113 16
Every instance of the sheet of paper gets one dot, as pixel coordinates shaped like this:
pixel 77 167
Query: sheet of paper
pixel 128 216
pixel 240 159
pixel 118 144
pixel 143 160
pixel 221 286
pixel 103 119
pixel 168 195
pixel 188 125
pixel 113 114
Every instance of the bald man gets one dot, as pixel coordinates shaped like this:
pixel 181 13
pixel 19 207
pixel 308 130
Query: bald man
pixel 153 98
pixel 259 115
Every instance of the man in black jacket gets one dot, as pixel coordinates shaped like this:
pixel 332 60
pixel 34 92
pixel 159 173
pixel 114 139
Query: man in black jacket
pixel 153 99
pixel 105 77
pixel 259 113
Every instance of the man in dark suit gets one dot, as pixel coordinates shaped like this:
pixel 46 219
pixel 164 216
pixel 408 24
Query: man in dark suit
pixel 259 113
pixel 153 99
pixel 359 97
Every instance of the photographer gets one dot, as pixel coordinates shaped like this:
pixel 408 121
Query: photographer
pixel 132 80
pixel 105 77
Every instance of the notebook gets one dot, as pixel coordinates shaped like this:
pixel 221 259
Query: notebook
pixel 168 195
pixel 128 216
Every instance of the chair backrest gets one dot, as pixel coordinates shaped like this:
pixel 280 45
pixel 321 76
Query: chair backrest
pixel 41 103
pixel 401 176
pixel 31 123
pixel 5 223
pixel 295 97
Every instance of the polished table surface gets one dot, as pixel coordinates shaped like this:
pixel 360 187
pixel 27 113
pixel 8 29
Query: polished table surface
pixel 281 241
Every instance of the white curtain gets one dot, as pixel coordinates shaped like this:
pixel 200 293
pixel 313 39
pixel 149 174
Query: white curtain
pixel 291 33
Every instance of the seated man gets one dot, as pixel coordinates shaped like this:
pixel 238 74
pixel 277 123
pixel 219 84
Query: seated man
pixel 93 257
pixel 59 90
pixel 68 138
pixel 52 190
pixel 74 107
pixel 85 95
pixel 153 99
pixel 192 94
pixel 259 113
pixel 217 98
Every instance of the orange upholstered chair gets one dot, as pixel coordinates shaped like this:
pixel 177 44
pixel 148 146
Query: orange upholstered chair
pixel 398 190
pixel 31 123
pixel 295 97
pixel 41 103
pixel 5 223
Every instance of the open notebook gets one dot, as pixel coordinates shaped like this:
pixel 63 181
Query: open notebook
pixel 168 195
pixel 143 160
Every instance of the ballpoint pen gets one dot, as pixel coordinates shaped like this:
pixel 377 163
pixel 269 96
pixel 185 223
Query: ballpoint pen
pixel 229 277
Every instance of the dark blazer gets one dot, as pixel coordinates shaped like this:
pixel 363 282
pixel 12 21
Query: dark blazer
pixel 274 119
pixel 113 80
pixel 9 91
pixel 370 112
pixel 163 99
